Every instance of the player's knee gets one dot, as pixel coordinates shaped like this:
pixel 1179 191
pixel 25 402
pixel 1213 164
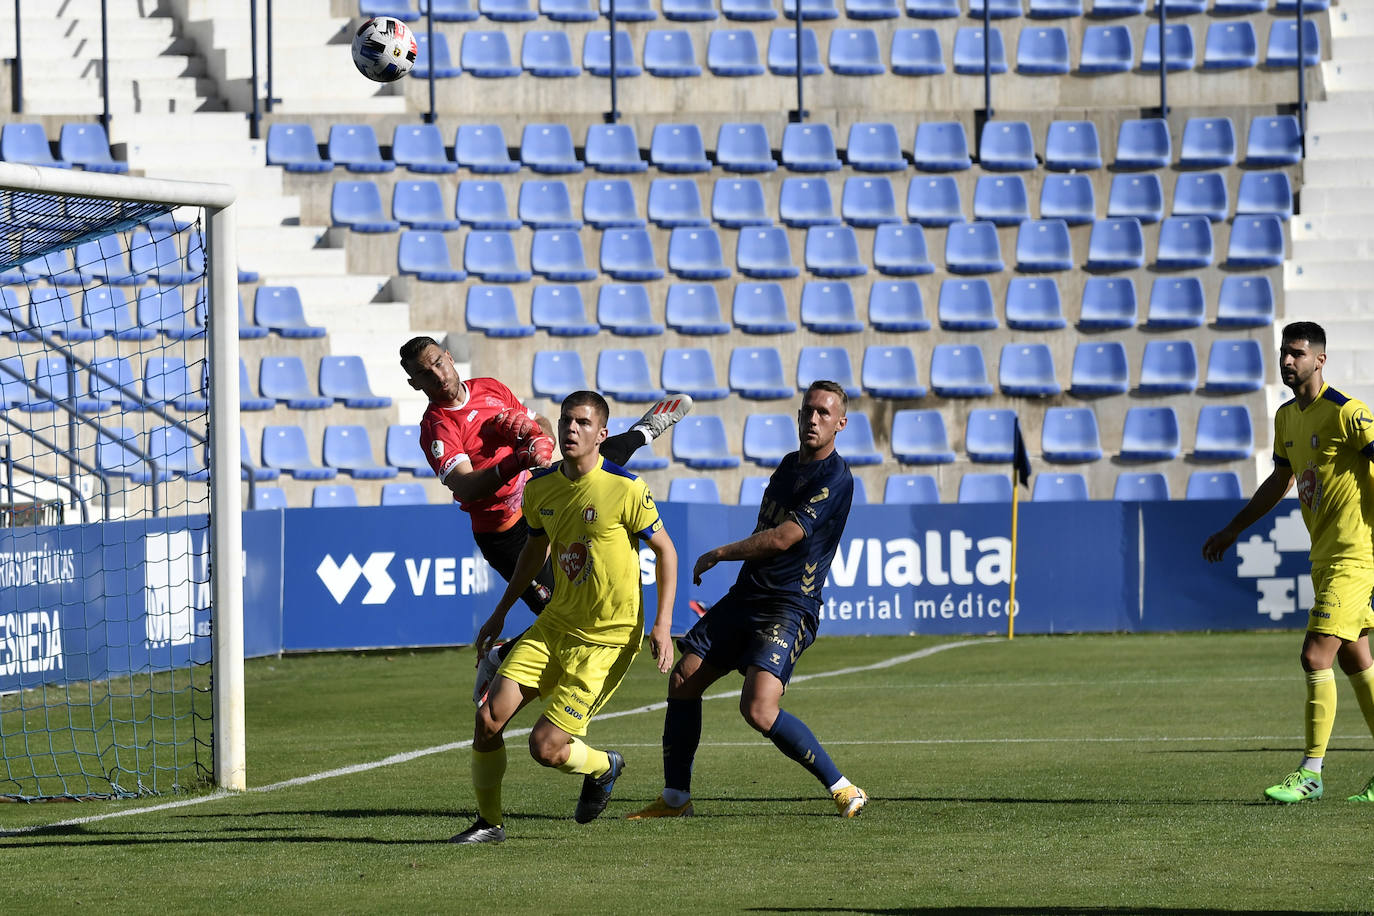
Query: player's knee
pixel 547 751
pixel 759 713
pixel 487 729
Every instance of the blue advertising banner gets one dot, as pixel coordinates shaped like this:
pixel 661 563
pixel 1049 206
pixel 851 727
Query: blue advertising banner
pixel 262 582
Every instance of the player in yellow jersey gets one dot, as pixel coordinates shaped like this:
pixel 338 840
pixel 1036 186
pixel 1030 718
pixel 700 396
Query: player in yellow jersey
pixel 591 514
pixel 1326 441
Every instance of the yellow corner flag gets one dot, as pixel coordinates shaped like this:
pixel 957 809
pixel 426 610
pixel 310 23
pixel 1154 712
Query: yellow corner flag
pixel 1020 477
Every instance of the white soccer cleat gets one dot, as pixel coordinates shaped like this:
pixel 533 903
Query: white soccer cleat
pixel 664 414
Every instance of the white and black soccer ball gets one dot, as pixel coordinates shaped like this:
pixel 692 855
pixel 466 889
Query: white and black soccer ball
pixel 384 49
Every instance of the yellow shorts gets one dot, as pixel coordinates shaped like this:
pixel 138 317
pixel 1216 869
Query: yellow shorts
pixel 576 677
pixel 1341 601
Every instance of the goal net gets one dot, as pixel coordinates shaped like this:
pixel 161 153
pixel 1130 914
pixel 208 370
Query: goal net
pixel 120 610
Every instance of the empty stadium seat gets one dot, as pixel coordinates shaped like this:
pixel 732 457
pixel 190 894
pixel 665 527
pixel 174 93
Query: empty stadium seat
pixel 611 205
pixel 694 490
pixel 1168 367
pixel 1180 51
pixel 283 378
pixel 88 146
pixel 678 148
pixel 932 9
pixel 482 205
pixel 1273 141
pixel 491 310
pixel 644 458
pixel 934 201
pixel 628 254
pixel 333 496
pixel 899 250
pixel 52 311
pixel 1006 146
pixel 248 466
pixel 420 148
pixel 425 255
pixel 347 448
pixel 548 148
pixel 491 256
pixel 675 202
pixel 815 363
pixel 810 9
pixel 1176 302
pixel 968 51
pixel 596 54
pixel 268 497
pixel 1116 244
pixel 106 311
pixel 624 309
pixel 984 488
pixel 691 371
pixel 175 453
pixel 941 146
pixel 761 308
pixel 1060 488
pixel 689 10
pixel 856 445
pixel 738 202
pixel 1027 370
pixel 828 308
pixel 1235 367
pixel 153 255
pixel 768 438
pixel 556 374
pixel 27 144
pixel 1106 49
pixel 436 58
pixel 1238 7
pixel 782 53
pixel 568 10
pixel 1265 192
pixel 874 147
pixel 403 494
pixel 1137 194
pixel 890 372
pixel 505 11
pixel 919 437
pixel 1150 434
pixel 357 205
pixel 804 202
pixel 1256 241
pixel 1069 434
pixel 1143 143
pixel 1245 302
pixel 1132 487
pixel 420 205
pixel 1042 51
pixel 765 252
pixel 988 435
pixel 1201 194
pixel 868 201
pixel 560 311
pixel 910 489
pixel 1033 304
pixel 449 10
pixel 669 53
pixel 1214 485
pixel 733 52
pixel 117 452
pixel 744 148
pixel 546 205
pixel 613 148
pixel 916 52
pixel 118 370
pixel 1068 197
pixel 996 9
pixel 1230 45
pixel 548 54
pixel 279 308
pixel 101 259
pixel 1072 146
pixel 481 148
pixel 284 450
pixel 1185 243
pixel 107 375
pixel 1099 369
pixel 897 307
pixel 972 248
pixel 694 309
pixel 398 9
pixel 557 255
pixel 958 371
pixel 1282 48
pixel 751 489
pixel 1001 199
pixel 1042 245
pixel 854 52
pixel 833 251
pixel 809 148
pixel 699 442
pixel 355 147
pixel 756 373
pixel 1208 143
pixel 966 305
pixel 624 375
pixel 403 450
pixel 344 378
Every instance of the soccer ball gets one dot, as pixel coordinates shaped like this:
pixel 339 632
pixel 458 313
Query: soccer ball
pixel 383 49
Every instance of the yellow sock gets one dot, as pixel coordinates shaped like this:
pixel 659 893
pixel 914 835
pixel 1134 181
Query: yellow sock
pixel 487 769
pixel 1363 683
pixel 586 761
pixel 1321 710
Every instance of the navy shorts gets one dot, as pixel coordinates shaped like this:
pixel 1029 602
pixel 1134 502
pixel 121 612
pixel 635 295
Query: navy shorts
pixel 740 633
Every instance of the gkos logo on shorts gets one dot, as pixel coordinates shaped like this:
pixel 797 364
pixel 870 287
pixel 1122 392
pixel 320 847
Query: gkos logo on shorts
pixel 1278 564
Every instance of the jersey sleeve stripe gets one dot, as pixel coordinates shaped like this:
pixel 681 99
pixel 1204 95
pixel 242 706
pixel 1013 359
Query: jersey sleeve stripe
pixel 1368 451
pixel 1282 462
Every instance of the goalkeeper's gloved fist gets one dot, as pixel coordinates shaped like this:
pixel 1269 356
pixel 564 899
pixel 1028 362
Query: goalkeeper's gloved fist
pixel 535 453
pixel 513 426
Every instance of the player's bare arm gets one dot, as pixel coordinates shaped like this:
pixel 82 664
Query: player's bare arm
pixel 1266 497
pixel 665 577
pixel 531 560
pixel 761 545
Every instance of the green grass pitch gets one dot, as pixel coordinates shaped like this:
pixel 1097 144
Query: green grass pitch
pixel 1089 774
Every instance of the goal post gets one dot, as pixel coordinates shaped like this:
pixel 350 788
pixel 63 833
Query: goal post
pixel 62 209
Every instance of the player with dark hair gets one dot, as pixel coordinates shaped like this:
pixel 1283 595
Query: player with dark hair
pixel 1326 441
pixel 591 515
pixel 770 615
pixel 481 440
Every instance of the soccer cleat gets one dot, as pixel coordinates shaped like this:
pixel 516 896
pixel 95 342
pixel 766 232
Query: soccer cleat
pixel 661 808
pixel 850 800
pixel 596 791
pixel 1367 795
pixel 486 671
pixel 1299 785
pixel 664 414
pixel 481 832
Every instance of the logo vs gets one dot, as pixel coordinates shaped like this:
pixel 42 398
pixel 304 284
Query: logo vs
pixel 339 578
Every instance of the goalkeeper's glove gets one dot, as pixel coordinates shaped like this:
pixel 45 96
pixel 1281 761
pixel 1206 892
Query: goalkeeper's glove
pixel 535 453
pixel 513 426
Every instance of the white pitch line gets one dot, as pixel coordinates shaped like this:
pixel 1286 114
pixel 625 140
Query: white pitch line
pixel 408 756
pixel 1158 739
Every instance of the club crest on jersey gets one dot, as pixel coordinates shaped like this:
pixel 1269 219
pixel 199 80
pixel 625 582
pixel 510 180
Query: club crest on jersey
pixel 436 448
pixel 575 560
pixel 589 514
pixel 1310 488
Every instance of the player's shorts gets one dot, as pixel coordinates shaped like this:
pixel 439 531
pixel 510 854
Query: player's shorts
pixel 1341 600
pixel 501 550
pixel 740 633
pixel 575 676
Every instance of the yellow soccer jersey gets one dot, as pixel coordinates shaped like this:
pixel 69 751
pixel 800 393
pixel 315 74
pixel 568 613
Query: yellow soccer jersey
pixel 1329 446
pixel 593 524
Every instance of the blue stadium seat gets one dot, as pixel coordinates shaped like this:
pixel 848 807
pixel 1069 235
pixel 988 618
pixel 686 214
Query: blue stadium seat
pixel 50 373
pixel 1106 49
pixel 153 255
pixel 751 490
pixel 1143 143
pixel 1033 304
pixel 348 448
pixel 941 146
pixel 968 51
pixel 917 52
pixel 782 53
pixel 546 204
pixel 88 146
pixel 1072 146
pixel 1230 45
pixel 355 147
pixel 1238 7
pixel 424 255
pixel 268 497
pixel 810 9
pixel 890 372
pixel 749 10
pixel 988 435
pixel 450 10
pixel 932 9
pixel 491 310
pixel 52 311
pixel 557 255
pixel 669 53
pixel 833 251
pixel 1256 241
pixel 972 248
pixel 279 308
pixel 756 373
pixel 854 52
pixel 420 205
pixel 874 147
pixel 403 494
pixel 1132 487
pixel 624 376
pixel 420 148
pixel 100 259
pixel 1203 195
pixel 1042 51
pixel 1168 367
pixel 934 201
pixel 504 11
pixel 1245 302
pixel 1069 434
pixel 1180 52
pixel 761 308
pixel 1183 7
pixel 548 148
pixel 1214 485
pixel 1282 49
pixel 868 201
pixel 623 309
pixel 438 59
pixel 764 252
pixel 1265 192
pixel 769 438
pixel 1099 369
pixel 691 371
pixel 1050 488
pixel 899 250
pixel 283 379
pixel 491 256
pixel 738 202
pixel 1106 8
pixel 481 148
pixel 284 450
pixel 1006 146
pixel 675 202
pixel 162 309
pixel 27 144
pixel 910 490
pixel 872 9
pixel 856 445
pixel 117 368
pixel 688 11
pixel 628 254
pixel 1137 194
pixel 996 9
pixel 548 54
pixel 118 452
pixel 644 458
pixel 1027 370
pixel 176 454
pixel 568 10
pixel 560 311
pixel 1176 302
pixel 557 374
pixel 694 490
pixel 919 437
pixel 258 471
pixel 1068 197
pixel 1273 140
pixel 50 267
pixel 104 310
pixel 958 371
pixel 596 54
pixel 611 205
pixel 744 147
pixel 1235 367
pixel 356 205
pixel 106 375
pixel 1185 243
pixel 809 148
pixel 694 309
pixel 1224 433
pixel 1042 246
pixel 333 496
pixel 1208 143
pixel 984 488
pixel 678 148
pixel 630 10
pixel 613 148
pixel 699 442
pixel 482 205
pixel 733 52
pixel 804 202
pixel 966 305
pixel 828 308
pixel 1116 244
pixel 397 9
pixel 1289 7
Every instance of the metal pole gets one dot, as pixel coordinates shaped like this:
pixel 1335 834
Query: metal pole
pixel 1302 86
pixel 255 118
pixel 270 100
pixel 801 96
pixel 429 39
pixel 104 69
pixel 987 64
pixel 1163 60
pixel 18 62
pixel 613 115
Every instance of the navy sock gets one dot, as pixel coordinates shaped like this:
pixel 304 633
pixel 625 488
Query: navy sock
pixel 795 740
pixel 681 735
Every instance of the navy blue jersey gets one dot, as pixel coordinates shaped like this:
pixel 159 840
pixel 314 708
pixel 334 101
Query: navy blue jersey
pixel 815 496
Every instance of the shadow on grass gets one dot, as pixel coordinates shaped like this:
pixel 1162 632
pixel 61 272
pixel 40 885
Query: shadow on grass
pixel 1041 910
